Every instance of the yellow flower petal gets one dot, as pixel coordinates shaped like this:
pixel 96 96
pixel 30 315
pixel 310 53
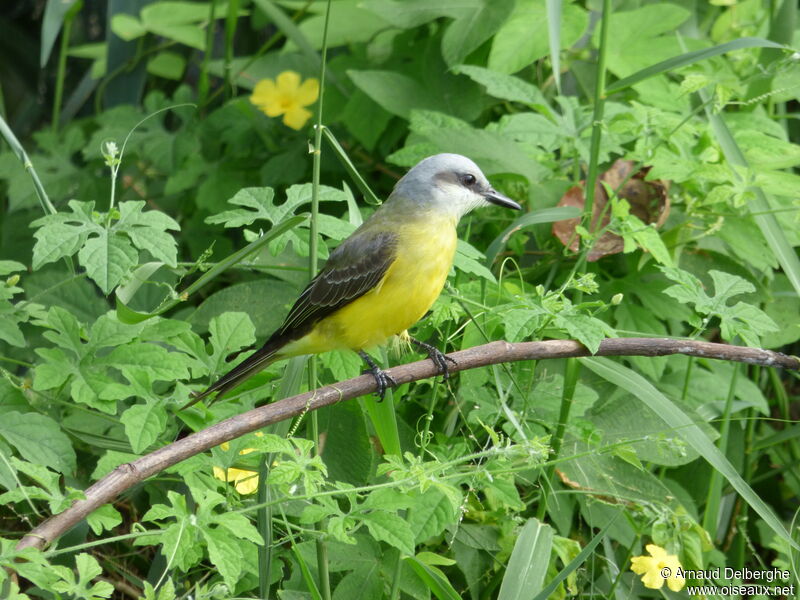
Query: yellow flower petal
pixel 675 583
pixel 653 580
pixel 296 117
pixel 308 92
pixel 653 568
pixel 248 486
pixel 288 82
pixel 246 481
pixel 642 564
pixel 265 92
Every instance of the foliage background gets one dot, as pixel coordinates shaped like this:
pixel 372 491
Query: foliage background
pixel 489 485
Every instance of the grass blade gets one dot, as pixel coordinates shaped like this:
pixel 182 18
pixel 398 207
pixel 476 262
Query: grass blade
pixel 528 563
pixel 576 562
pixel 432 578
pixel 546 215
pixel 759 205
pixel 673 416
pixel 362 185
pixel 554 38
pixel 689 58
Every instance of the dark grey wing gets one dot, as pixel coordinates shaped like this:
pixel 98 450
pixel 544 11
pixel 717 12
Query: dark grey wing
pixel 353 269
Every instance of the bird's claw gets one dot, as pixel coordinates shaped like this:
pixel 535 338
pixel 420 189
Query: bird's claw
pixel 438 358
pixel 383 379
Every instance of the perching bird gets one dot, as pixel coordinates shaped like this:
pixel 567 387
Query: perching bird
pixel 385 276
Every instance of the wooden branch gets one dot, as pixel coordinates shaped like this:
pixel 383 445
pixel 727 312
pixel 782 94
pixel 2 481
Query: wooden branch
pixel 126 476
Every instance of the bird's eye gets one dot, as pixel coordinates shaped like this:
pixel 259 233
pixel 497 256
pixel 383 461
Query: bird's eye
pixel 468 180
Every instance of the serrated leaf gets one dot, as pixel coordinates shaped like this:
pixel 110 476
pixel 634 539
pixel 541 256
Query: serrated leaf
pixel 155 360
pixel 108 259
pixel 225 554
pixel 390 528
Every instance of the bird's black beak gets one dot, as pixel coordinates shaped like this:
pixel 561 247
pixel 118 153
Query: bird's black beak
pixel 495 197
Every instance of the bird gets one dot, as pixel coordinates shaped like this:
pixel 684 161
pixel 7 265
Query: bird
pixel 384 277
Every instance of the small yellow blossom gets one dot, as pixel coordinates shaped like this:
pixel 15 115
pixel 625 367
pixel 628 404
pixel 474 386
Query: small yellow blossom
pixel 658 568
pixel 286 96
pixel 246 482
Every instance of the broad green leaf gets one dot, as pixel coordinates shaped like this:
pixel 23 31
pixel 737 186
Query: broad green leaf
pixel 107 259
pixel 413 13
pixel 155 360
pixel 472 29
pixel 500 85
pixel 528 563
pixel 677 420
pixel 39 440
pixel 144 423
pixel 390 528
pixel 524 37
pixel 224 553
pixel 127 27
pixel 396 92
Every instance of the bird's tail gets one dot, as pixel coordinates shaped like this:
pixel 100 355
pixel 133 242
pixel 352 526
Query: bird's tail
pixel 257 361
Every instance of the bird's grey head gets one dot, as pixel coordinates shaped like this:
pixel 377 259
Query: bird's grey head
pixel 449 183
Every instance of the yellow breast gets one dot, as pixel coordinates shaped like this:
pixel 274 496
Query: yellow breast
pixel 410 287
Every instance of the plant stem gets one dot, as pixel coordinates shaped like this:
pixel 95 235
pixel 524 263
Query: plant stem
pixel 313 244
pixel 597 116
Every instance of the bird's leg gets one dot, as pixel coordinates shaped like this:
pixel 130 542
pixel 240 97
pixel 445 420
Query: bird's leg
pixel 382 378
pixel 439 359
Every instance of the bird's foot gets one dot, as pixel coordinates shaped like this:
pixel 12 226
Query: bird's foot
pixel 437 357
pixel 382 378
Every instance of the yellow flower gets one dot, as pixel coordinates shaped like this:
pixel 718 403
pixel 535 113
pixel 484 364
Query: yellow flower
pixel 286 96
pixel 246 481
pixel 657 568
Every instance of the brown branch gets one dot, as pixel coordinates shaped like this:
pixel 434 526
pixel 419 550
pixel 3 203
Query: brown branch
pixel 126 476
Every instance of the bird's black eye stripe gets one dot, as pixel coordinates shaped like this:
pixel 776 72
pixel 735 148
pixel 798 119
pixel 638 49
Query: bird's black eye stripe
pixel 468 180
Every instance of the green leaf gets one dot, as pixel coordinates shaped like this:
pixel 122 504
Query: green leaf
pixel 144 423
pixel 127 27
pixel 682 425
pixel 103 519
pixel 260 200
pixel 523 38
pixel 588 330
pixel 107 259
pixel 225 554
pixel 390 528
pixel 528 563
pixel 155 360
pixel 395 92
pixel 39 439
pixel 472 29
pixel 468 259
pixel 500 85
pixel 230 332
